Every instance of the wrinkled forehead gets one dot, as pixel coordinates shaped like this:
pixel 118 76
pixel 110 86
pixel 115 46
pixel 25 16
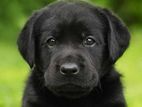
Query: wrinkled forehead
pixel 71 19
pixel 71 15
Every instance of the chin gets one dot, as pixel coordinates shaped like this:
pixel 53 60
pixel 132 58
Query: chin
pixel 70 91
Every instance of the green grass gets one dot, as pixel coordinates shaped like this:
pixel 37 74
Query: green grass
pixel 14 71
pixel 131 67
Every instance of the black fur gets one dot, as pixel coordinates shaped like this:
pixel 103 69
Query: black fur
pixel 97 84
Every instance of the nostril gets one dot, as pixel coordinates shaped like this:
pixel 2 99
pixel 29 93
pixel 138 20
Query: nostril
pixel 69 68
pixel 68 71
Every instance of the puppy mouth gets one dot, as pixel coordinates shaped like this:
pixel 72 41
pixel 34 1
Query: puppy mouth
pixel 71 91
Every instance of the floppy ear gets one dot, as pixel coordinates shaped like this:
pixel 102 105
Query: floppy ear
pixel 118 36
pixel 26 40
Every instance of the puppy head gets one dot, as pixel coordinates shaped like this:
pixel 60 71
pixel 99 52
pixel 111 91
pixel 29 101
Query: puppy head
pixel 72 43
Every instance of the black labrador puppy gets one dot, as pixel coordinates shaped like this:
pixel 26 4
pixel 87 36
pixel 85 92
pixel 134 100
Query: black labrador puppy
pixel 71 48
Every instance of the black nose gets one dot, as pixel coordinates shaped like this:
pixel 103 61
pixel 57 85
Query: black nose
pixel 69 69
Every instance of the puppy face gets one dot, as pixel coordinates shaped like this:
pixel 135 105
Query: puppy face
pixel 73 45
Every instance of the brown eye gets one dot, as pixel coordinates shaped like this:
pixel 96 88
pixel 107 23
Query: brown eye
pixel 89 42
pixel 51 42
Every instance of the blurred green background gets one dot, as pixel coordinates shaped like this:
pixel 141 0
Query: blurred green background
pixel 14 71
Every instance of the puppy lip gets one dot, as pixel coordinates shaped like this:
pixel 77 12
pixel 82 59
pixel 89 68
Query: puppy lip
pixel 73 84
pixel 69 86
pixel 71 91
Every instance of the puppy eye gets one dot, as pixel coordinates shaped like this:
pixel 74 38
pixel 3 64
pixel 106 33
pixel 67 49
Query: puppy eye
pixel 89 42
pixel 51 41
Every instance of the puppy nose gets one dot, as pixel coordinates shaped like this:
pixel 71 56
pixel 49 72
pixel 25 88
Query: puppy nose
pixel 69 69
